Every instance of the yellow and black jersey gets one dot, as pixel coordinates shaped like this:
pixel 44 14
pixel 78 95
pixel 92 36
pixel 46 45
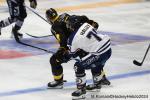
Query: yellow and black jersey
pixel 60 31
pixel 75 22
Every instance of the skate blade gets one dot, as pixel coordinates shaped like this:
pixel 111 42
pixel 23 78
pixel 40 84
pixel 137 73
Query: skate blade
pixel 78 97
pixel 57 87
pixel 94 90
pixel 106 84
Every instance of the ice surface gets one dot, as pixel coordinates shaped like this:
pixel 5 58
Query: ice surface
pixel 128 24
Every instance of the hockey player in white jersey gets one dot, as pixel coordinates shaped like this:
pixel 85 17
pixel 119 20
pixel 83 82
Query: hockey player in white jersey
pixel 17 13
pixel 84 37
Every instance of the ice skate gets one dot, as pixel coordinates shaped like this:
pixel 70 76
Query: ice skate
pixel 16 35
pixel 93 87
pixel 79 94
pixel 104 81
pixel 96 86
pixel 55 84
pixel 81 88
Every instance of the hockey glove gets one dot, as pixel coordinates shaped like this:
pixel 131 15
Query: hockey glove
pixel 95 25
pixel 62 55
pixel 79 53
pixel 33 4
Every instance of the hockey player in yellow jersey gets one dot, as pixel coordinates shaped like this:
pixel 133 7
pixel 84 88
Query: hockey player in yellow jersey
pixel 60 31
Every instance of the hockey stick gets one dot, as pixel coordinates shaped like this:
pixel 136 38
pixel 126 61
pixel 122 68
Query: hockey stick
pixel 20 42
pixel 41 18
pixel 38 36
pixel 140 63
pixel 38 15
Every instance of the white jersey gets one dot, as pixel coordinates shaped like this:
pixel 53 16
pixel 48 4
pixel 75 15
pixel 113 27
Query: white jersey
pixel 86 38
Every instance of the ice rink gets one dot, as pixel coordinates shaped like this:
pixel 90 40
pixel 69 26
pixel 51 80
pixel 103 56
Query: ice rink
pixel 25 71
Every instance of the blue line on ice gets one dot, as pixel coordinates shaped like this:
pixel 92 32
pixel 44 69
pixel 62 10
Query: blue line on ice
pixel 44 88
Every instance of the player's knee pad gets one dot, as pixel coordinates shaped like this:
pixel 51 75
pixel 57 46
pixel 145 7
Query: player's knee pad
pixel 13 19
pixel 54 61
pixel 79 70
pixel 22 16
pixel 97 68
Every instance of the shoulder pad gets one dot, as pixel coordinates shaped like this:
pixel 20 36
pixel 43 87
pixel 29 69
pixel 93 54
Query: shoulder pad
pixel 63 17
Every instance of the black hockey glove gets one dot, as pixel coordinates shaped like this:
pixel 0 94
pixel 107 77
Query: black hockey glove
pixel 33 3
pixel 94 24
pixel 62 55
pixel 80 53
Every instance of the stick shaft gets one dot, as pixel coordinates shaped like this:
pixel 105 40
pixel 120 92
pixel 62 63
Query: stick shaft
pixel 37 14
pixel 146 53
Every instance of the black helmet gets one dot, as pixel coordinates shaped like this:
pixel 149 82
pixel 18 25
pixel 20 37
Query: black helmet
pixel 51 14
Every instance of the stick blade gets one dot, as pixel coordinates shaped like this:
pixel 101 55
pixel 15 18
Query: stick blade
pixel 137 63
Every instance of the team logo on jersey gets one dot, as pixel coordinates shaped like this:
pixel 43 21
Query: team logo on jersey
pixel 85 29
